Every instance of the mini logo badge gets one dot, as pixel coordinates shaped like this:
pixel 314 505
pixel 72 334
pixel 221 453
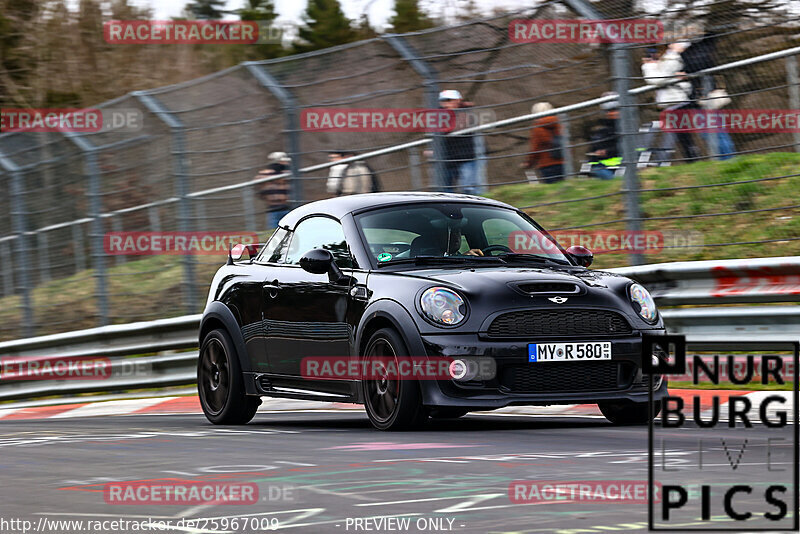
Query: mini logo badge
pixel 558 300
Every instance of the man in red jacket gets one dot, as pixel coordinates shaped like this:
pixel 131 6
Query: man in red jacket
pixel 546 152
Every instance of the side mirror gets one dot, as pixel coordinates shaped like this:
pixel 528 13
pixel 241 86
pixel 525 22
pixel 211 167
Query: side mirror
pixel 582 255
pixel 317 261
pixel 237 252
pixel 320 261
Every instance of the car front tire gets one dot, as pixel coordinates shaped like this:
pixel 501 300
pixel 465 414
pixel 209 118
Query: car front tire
pixel 219 382
pixel 391 404
pixel 627 412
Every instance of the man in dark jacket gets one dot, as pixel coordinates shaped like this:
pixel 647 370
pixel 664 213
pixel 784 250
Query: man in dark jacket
pixel 604 137
pixel 275 192
pixel 460 167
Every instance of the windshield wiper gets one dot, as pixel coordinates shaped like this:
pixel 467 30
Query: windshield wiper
pixel 516 256
pixel 432 260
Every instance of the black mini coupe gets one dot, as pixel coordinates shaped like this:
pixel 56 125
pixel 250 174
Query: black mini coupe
pixel 351 296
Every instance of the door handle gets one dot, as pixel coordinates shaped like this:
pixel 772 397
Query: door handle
pixel 273 288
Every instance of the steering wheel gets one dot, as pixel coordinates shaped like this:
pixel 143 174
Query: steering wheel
pixel 492 248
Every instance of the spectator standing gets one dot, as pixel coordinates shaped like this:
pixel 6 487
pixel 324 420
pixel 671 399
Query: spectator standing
pixel 701 54
pixel 546 149
pixel 460 166
pixel 276 192
pixel 350 178
pixel 666 71
pixel 604 139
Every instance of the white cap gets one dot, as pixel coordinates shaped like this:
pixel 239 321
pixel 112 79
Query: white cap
pixel 279 156
pixel 450 94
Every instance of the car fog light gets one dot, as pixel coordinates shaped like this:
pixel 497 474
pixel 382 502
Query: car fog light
pixel 458 369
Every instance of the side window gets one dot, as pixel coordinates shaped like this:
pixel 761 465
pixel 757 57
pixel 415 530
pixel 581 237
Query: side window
pixel 275 249
pixel 319 232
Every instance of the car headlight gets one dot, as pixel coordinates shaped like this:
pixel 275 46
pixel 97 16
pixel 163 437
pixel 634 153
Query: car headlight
pixel 643 303
pixel 443 306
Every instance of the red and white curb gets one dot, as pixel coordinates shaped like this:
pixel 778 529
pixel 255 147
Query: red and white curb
pixel 191 405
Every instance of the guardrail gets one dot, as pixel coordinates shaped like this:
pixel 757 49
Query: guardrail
pixel 762 280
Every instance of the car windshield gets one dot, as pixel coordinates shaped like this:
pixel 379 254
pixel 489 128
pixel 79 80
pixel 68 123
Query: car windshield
pixel 449 230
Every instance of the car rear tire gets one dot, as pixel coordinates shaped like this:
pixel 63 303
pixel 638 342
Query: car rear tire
pixel 391 404
pixel 627 412
pixel 219 382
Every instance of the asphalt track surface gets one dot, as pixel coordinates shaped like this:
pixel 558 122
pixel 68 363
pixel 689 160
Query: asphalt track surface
pixel 321 471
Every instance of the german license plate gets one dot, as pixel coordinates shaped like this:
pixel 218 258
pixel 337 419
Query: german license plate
pixel 569 352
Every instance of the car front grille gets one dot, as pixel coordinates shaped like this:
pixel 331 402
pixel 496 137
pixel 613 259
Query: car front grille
pixel 559 377
pixel 528 323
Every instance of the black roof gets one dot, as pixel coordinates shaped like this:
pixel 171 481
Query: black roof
pixel 338 207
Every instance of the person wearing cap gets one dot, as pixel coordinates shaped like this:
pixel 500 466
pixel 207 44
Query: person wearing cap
pixel 460 167
pixel 275 193
pixel 604 138
pixel 546 152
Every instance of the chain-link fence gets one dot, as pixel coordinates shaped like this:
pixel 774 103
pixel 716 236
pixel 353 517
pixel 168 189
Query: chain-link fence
pixel 192 164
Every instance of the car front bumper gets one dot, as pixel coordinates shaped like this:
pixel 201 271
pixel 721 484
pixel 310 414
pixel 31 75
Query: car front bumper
pixel 519 382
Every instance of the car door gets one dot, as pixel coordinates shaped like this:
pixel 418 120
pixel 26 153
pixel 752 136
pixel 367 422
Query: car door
pixel 263 268
pixel 305 314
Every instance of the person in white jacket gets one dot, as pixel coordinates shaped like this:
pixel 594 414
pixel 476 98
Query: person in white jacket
pixel 666 71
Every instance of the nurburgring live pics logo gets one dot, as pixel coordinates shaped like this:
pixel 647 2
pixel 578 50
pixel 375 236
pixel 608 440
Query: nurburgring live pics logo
pixel 735 478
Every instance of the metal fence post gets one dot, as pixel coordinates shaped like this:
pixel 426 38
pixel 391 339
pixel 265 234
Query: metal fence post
pixel 794 93
pixel 430 83
pixel 628 128
pixel 627 125
pixel 77 245
pixel 291 113
pixel 413 168
pixel 154 218
pixel 249 210
pixel 19 225
pixel 44 260
pixel 566 143
pixel 116 227
pixel 8 268
pixel 180 171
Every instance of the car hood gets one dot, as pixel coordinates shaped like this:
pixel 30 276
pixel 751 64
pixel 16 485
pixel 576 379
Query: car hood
pixel 491 289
